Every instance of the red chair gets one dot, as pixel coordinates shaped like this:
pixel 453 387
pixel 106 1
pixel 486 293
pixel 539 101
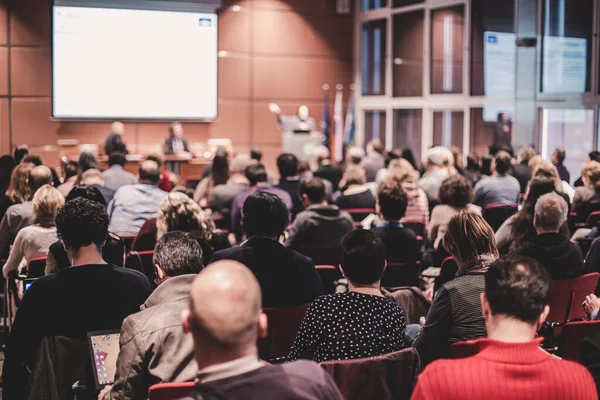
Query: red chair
pixel 128 241
pixel 36 267
pixel 283 324
pixel 401 274
pixel 496 214
pixel 567 295
pixel 593 219
pixel 141 261
pixel 170 391
pixel 358 214
pixel 329 274
pixel 573 334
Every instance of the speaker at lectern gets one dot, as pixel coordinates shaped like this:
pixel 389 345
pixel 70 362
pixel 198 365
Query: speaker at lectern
pixel 300 135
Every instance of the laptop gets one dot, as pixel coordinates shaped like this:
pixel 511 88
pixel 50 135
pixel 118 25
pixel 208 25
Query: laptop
pixel 104 347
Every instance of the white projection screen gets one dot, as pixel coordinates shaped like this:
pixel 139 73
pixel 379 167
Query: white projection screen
pixel 133 62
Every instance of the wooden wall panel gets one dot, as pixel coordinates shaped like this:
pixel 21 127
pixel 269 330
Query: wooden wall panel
pixel 31 71
pixel 3 71
pixel 30 22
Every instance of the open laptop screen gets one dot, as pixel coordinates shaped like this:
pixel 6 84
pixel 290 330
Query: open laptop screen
pixel 105 350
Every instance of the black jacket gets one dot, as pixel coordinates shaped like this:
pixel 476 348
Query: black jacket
pixel 401 244
pixel 331 172
pixel 555 251
pixel 168 148
pixel 522 173
pixel 287 278
pixel 292 186
pixel 114 143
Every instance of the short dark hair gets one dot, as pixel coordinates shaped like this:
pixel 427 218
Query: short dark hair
pixel 87 192
pixel 178 253
pixel 256 154
pixel 31 158
pixel 255 173
pixel 149 173
pixel 314 189
pixel 71 168
pixel 561 154
pixel 473 162
pixel 518 287
pixel 81 222
pixel 20 153
pixel 287 164
pixel 503 162
pixel 157 158
pixel 594 156
pixel 456 191
pixel 87 161
pixel 117 158
pixel 362 257
pixel 189 192
pixel 392 201
pixel 264 214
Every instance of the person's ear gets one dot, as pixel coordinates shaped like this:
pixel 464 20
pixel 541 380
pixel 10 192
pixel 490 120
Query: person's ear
pixel 263 326
pixel 160 274
pixel 485 307
pixel 542 317
pixel 185 321
pixel 535 220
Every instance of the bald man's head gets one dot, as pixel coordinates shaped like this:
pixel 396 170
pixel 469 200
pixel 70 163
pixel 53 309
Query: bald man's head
pixel 225 310
pixel 38 177
pixel 118 128
pixel 149 172
pixel 92 177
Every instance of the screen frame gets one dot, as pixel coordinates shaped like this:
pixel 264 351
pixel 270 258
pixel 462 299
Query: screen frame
pixel 56 118
pixel 99 386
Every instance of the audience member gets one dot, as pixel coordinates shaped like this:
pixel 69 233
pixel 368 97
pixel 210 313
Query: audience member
pixel 219 175
pixel 33 159
pixel 114 141
pixel 436 171
pixel 518 229
pixel 360 322
pixel 20 152
pixel 591 305
pixel 592 156
pixel 320 225
pixel 456 195
pixel 222 196
pixel 21 215
pixel 7 165
pixel 71 168
pixel 355 155
pixel 374 160
pixel 558 159
pixel 509 363
pixel 473 169
pixel 176 143
pixel 167 178
pixel 154 348
pixel 116 176
pixel 18 190
pixel 225 320
pixel 550 248
pixel 400 243
pixel 86 162
pixel 34 240
pixel 98 298
pixel 287 164
pixel 587 198
pixel 356 193
pixel 521 170
pixel 382 174
pixel 455 314
pixel 402 172
pixel 326 169
pixel 113 251
pixel 408 155
pixel 93 177
pixel 287 278
pixel 132 205
pixel 545 169
pixel 457 159
pixel 257 176
pixel 500 188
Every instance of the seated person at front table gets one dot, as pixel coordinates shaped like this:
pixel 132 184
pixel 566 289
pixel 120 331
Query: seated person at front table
pixel 509 364
pixel 116 176
pixel 176 144
pixel 114 141
pixel 98 298
pixel 132 205
pixel 34 240
pixel 287 278
pixel 113 251
pixel 225 321
pixel 356 193
pixel 500 188
pixel 455 314
pixel 257 176
pixel 360 322
pixel 154 348
pixel 401 244
pixel 554 250
pixel 320 225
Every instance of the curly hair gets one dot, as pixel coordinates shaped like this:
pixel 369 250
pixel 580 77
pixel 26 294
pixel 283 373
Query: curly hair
pixel 82 222
pixel 456 191
pixel 19 191
pixel 590 172
pixel 177 212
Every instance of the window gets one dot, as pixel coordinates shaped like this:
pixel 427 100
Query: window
pixel 374 125
pixel 408 54
pixel 366 5
pixel 448 128
pixel 408 131
pixel 447 37
pixel 567 46
pixel 373 57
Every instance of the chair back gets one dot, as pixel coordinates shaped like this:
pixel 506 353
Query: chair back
pixel 283 326
pixel 192 181
pixel 572 337
pixel 568 294
pixel 329 274
pixel 593 219
pixel 385 377
pixel 323 254
pixel 401 274
pixel 170 391
pixel 36 267
pixel 496 214
pixel 448 271
pixel 128 240
pixel 141 261
pixel 358 214
pixel 418 228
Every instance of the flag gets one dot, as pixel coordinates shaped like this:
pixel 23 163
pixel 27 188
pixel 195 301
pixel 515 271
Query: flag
pixel 326 121
pixel 350 127
pixel 338 119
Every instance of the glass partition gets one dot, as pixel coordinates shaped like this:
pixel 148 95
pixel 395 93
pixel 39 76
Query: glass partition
pixel 447 41
pixel 373 57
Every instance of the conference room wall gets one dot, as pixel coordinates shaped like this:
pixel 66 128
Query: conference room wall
pixel 270 51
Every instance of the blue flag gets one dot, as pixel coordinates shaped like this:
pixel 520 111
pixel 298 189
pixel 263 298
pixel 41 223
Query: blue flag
pixel 326 121
pixel 350 126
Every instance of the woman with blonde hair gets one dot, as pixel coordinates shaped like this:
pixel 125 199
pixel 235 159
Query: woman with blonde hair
pixel 402 172
pixel 587 198
pixel 34 241
pixel 18 190
pixel 455 314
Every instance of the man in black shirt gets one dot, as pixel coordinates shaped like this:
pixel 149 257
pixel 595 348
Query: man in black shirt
pixel 290 181
pixel 326 170
pixel 521 169
pixel 89 296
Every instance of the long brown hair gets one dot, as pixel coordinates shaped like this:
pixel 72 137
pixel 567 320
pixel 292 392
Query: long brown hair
pixel 469 237
pixel 19 191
